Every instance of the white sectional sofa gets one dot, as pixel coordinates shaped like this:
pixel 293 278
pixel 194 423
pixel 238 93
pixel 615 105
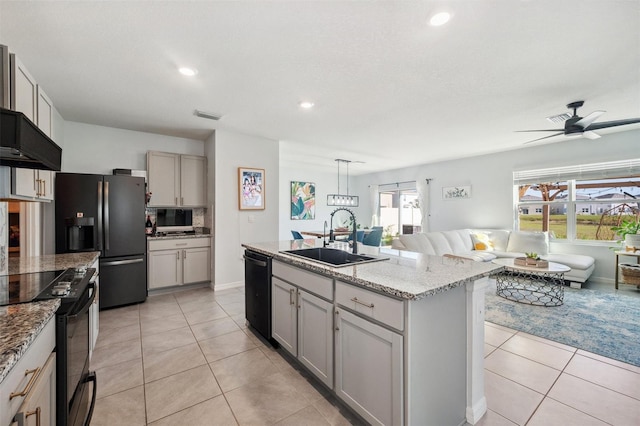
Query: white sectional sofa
pixel 484 245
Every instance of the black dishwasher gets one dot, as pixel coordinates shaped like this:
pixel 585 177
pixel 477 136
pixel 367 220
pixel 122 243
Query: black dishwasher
pixel 257 286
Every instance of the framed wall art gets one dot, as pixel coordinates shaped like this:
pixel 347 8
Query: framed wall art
pixel 251 184
pixel 303 200
pixel 456 192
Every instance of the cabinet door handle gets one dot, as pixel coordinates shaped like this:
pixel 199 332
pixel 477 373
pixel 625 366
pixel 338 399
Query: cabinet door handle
pixel 37 412
pixel 291 302
pixel 30 383
pixel 181 244
pixel 368 305
pixel 176 201
pixel 182 201
pixel 184 254
pixel 44 187
pixel 337 327
pixel 178 255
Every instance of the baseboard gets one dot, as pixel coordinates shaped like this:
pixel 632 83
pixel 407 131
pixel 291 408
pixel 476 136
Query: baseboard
pixel 225 286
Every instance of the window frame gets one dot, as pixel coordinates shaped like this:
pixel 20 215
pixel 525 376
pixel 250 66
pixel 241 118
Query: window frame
pixel 572 176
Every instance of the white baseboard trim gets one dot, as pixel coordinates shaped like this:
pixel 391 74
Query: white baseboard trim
pixel 227 285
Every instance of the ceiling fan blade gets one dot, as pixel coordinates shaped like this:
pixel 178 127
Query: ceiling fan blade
pixel 590 135
pixel 613 123
pixel 586 121
pixel 546 137
pixel 541 130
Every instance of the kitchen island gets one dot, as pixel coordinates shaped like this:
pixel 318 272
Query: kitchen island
pixel 400 341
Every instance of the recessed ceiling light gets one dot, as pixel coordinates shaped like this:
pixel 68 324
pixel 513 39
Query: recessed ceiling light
pixel 190 72
pixel 306 104
pixel 440 19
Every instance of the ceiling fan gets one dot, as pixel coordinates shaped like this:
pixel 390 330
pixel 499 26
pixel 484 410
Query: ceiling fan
pixel 576 126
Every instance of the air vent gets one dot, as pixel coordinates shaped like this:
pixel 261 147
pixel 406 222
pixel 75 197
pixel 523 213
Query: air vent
pixel 560 118
pixel 207 115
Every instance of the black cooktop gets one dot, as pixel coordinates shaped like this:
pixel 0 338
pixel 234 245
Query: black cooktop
pixel 23 288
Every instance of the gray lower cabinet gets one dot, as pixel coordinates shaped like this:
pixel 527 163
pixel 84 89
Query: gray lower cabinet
pixel 284 315
pixel 303 322
pixel 39 407
pixel 173 262
pixel 315 336
pixel 369 369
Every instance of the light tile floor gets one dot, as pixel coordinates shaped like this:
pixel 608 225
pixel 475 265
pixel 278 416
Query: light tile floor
pixel 186 358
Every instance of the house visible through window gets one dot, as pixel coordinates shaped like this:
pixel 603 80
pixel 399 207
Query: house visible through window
pixel 581 202
pixel 399 208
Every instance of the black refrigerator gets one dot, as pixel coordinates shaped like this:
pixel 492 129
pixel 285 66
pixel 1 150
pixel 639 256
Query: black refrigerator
pixel 105 214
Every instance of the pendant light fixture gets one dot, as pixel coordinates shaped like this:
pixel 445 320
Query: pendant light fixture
pixel 343 199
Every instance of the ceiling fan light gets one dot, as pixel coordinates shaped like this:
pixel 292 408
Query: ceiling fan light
pixel 560 118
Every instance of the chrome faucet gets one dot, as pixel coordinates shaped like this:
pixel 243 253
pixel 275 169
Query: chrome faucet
pixel 354 233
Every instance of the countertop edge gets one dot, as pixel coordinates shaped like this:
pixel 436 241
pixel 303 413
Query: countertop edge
pixel 176 237
pixel 21 324
pixel 51 262
pixel 335 273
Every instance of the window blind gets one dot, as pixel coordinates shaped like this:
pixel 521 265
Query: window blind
pixel 612 169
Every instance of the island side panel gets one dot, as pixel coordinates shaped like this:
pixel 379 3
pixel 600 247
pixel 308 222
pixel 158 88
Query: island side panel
pixel 436 357
pixel 476 400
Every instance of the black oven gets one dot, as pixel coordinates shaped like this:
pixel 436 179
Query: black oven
pixel 76 291
pixel 72 368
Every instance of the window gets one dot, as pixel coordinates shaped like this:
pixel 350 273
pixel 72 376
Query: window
pixel 578 203
pixel 399 208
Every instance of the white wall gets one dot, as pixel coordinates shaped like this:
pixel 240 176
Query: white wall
pixel 491 180
pixel 326 183
pixel 99 150
pixel 232 225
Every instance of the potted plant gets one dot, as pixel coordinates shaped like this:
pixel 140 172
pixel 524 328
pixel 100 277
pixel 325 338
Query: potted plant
pixel 628 230
pixel 532 258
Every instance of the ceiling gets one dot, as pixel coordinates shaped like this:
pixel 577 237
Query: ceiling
pixel 389 89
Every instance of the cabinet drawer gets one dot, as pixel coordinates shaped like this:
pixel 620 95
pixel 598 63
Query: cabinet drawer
pixel 373 305
pixel 178 243
pixel 314 283
pixel 16 381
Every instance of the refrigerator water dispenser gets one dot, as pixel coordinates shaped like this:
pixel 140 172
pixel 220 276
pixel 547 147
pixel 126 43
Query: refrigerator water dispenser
pixel 80 234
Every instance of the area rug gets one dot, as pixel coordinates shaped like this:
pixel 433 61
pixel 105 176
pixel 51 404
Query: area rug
pixel 606 324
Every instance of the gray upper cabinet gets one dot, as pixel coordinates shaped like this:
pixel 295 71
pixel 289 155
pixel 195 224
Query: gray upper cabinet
pixel 177 180
pixel 21 92
pixel 24 89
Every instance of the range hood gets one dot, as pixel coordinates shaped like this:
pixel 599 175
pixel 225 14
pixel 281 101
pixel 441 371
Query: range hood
pixel 23 144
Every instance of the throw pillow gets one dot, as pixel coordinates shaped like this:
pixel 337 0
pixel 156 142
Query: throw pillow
pixel 481 241
pixel 526 242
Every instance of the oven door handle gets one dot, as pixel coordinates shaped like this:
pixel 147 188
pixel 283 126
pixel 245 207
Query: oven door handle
pixel 91 377
pixel 86 306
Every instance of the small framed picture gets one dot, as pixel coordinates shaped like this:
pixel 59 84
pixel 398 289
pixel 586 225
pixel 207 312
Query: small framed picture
pixel 456 192
pixel 251 188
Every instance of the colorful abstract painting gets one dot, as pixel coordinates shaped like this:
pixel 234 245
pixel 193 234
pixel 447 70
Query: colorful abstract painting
pixel 303 200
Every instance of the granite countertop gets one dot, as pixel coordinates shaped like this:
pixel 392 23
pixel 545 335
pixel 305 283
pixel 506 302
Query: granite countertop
pixel 406 274
pixel 177 237
pixel 51 262
pixel 19 326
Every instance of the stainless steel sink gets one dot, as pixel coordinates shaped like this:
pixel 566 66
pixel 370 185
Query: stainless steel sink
pixel 334 257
